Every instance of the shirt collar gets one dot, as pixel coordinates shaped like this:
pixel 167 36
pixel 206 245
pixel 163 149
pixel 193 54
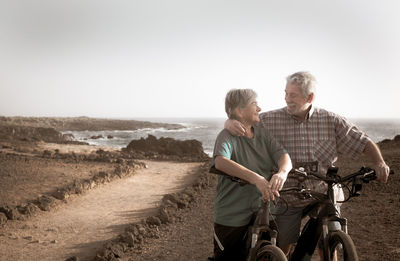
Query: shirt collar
pixel 308 116
pixel 310 112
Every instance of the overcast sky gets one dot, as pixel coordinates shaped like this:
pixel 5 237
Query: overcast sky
pixel 178 58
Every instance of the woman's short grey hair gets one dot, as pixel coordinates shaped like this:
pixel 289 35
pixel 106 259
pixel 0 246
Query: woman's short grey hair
pixel 238 98
pixel 305 80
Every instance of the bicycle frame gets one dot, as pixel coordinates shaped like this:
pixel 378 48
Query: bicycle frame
pixel 261 232
pixel 326 205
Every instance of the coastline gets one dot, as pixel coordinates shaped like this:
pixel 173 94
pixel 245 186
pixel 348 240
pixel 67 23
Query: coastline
pixel 83 123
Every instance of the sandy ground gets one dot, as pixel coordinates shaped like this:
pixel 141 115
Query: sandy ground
pixel 80 227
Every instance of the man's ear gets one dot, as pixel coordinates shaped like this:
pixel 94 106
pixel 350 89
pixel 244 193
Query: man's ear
pixel 310 98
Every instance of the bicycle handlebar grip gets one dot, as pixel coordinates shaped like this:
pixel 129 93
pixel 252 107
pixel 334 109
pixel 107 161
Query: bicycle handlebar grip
pixel 241 182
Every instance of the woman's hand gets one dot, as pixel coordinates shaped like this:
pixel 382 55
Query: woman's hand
pixel 277 182
pixel 265 188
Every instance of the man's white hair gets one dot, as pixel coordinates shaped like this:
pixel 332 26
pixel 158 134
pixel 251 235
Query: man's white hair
pixel 305 80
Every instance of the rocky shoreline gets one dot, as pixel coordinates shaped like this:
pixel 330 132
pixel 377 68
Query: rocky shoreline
pixel 83 123
pixel 35 129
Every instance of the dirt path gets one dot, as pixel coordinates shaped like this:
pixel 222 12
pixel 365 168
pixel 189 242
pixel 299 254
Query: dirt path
pixel 80 227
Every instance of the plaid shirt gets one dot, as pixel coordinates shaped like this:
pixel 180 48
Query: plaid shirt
pixel 321 137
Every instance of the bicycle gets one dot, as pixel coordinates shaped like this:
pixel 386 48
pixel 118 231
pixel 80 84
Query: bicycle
pixel 262 234
pixel 335 242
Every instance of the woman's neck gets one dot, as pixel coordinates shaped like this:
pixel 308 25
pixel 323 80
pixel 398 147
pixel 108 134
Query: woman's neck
pixel 249 131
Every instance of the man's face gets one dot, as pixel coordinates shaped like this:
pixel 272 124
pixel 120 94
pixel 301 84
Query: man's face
pixel 297 103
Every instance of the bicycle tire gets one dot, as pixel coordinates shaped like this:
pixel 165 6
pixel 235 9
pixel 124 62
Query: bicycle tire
pixel 270 253
pixel 344 246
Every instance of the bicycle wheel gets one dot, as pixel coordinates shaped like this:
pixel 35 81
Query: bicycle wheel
pixel 343 245
pixel 270 253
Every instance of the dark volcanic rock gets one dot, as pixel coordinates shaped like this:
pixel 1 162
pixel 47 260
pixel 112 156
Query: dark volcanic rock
pixel 46 203
pixel 11 212
pixel 29 209
pixel 388 143
pixel 3 218
pixel 168 146
pixel 95 137
pixel 32 134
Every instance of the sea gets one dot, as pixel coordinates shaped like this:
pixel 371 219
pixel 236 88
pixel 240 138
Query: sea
pixel 206 130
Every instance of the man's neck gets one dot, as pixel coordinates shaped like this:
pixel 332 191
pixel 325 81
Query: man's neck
pixel 304 115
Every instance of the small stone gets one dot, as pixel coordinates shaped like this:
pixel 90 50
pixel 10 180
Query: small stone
pixel 51 230
pixel 30 209
pixel 153 221
pixel 12 213
pixel 28 237
pixel 26 226
pixel 61 194
pixel 128 238
pixel 53 241
pixel 3 218
pixel 45 203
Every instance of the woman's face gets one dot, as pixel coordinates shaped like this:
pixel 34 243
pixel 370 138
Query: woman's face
pixel 249 114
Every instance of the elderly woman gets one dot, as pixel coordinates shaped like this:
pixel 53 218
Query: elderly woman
pixel 251 158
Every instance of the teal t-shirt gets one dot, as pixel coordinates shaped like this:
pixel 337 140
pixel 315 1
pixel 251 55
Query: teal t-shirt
pixel 235 204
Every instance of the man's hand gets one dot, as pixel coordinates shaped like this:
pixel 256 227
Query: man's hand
pixel 235 127
pixel 277 182
pixel 374 154
pixel 382 172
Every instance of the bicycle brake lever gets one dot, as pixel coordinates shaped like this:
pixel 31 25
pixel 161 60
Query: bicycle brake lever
pixel 300 172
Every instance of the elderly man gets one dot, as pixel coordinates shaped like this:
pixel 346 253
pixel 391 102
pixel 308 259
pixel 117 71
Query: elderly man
pixel 311 134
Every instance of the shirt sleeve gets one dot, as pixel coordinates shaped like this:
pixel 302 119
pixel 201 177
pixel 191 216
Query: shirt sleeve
pixel 223 145
pixel 350 140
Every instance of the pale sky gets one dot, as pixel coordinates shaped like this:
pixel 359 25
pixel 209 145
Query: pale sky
pixel 178 58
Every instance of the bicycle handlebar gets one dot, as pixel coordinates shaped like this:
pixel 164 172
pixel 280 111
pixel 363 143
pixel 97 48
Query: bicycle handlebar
pixel 366 175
